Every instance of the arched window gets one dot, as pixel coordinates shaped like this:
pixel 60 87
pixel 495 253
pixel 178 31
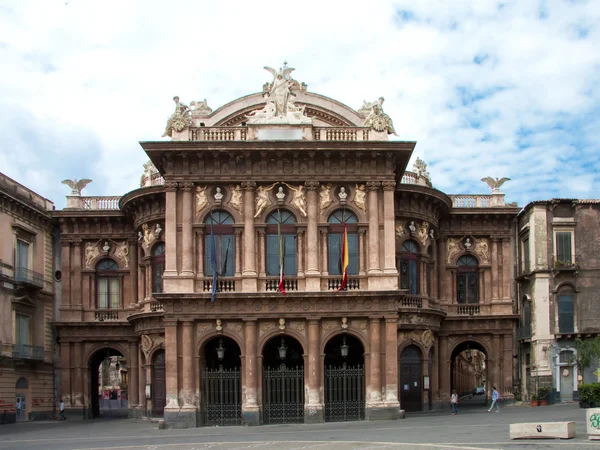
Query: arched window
pixel 467 280
pixel 158 267
pixel 409 267
pixel 566 310
pixel 284 222
pixel 108 284
pixel 219 226
pixel 334 242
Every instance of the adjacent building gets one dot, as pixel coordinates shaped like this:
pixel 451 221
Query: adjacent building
pixel 26 304
pixel 559 292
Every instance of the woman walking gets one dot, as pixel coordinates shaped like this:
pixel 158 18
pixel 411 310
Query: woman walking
pixel 454 403
pixel 495 397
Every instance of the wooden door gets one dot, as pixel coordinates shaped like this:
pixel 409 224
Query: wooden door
pixel 410 379
pixel 159 397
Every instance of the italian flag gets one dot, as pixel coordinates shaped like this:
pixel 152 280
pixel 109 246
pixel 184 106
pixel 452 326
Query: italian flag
pixel 344 260
pixel 280 241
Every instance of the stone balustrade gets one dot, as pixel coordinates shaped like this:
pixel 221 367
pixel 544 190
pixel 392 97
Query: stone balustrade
pixel 241 134
pixel 100 203
pixel 471 201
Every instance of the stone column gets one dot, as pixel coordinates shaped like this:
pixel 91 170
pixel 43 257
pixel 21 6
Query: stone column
pixel 444 372
pixel 65 373
pixel 250 409
pixel 170 229
pixel 312 270
pixel 262 260
pixel 362 252
pixel 324 265
pixel 494 269
pixel 249 281
pixel 66 272
pixel 300 253
pixel 200 253
pixel 238 253
pixel 77 376
pixel 506 268
pixel 425 373
pixel 187 346
pixel 507 359
pixel 133 389
pixel 313 410
pixel 435 375
pixel 141 383
pixel 389 233
pixel 496 375
pixel 149 287
pixel 187 237
pixel 391 365
pixel 373 188
pixel 374 404
pixel 76 278
pixel 441 265
pixel 133 270
pixel 171 367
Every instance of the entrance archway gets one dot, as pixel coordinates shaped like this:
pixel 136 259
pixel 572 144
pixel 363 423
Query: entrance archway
pixel 21 400
pixel 283 381
pixel 410 379
pixel 221 382
pixel 468 372
pixel 159 396
pixel 344 379
pixel 108 382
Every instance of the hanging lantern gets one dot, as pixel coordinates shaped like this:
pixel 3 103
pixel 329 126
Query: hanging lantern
pixel 220 350
pixel 468 354
pixel 344 348
pixel 282 350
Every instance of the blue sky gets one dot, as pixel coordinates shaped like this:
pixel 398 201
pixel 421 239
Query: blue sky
pixel 486 88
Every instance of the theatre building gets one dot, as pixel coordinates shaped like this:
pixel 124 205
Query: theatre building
pixel 274 192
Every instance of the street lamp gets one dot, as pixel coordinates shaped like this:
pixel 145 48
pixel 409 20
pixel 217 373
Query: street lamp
pixel 344 348
pixel 468 353
pixel 220 350
pixel 282 350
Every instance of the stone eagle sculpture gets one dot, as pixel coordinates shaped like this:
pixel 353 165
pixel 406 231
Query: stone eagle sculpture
pixel 76 186
pixel 495 183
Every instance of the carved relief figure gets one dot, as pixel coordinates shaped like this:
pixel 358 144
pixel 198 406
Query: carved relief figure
pixel 400 224
pixel 360 197
pixel 201 200
pixel 262 199
pixel 122 252
pixel 376 118
pixel 452 249
pixel 482 250
pixel 76 186
pixel 424 232
pixel 91 253
pixel 236 197
pixel 148 235
pixel 325 196
pixel 299 199
pixel 179 120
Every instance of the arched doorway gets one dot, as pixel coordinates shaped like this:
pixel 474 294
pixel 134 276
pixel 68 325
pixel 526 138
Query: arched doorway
pixel 159 396
pixel 108 382
pixel 21 399
pixel 283 381
pixel 410 379
pixel 221 382
pixel 344 379
pixel 468 372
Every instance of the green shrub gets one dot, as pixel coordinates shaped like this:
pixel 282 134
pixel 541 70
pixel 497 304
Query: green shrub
pixel 590 393
pixel 543 393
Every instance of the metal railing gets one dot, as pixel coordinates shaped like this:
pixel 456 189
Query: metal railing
pixel 26 276
pixel 28 352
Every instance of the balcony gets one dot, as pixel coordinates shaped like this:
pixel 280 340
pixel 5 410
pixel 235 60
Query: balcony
pixel 334 284
pixel 28 352
pixel 28 278
pixel 289 284
pixel 410 301
pixel 106 314
pixel 524 333
pixel 223 285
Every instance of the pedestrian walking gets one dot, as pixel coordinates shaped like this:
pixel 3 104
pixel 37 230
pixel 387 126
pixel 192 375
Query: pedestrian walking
pixel 495 398
pixel 454 403
pixel 62 410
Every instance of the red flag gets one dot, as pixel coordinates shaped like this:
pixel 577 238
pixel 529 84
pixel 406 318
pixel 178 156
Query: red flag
pixel 344 260
pixel 281 249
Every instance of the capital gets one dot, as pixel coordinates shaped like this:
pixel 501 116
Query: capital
pixel 248 185
pixel 373 185
pixel 170 186
pixel 388 185
pixel 311 185
pixel 186 186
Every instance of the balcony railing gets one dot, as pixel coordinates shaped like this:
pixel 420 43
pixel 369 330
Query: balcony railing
pixel 468 310
pixel 102 315
pixel 156 306
pixel 289 284
pixel 334 284
pixel 28 352
pixel 101 203
pixel 471 201
pixel 223 285
pixel 524 333
pixel 26 276
pixel 410 301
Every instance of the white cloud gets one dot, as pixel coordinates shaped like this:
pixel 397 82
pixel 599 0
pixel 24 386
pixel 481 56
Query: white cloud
pixel 108 69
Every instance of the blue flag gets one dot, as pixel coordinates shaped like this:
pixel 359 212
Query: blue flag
pixel 213 260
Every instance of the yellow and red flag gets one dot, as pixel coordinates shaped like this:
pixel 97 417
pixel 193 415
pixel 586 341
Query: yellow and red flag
pixel 344 260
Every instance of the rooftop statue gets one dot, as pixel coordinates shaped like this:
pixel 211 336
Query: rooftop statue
pixel 420 168
pixel 179 120
pixel 201 108
pixel 76 186
pixel 495 183
pixel 375 117
pixel 280 107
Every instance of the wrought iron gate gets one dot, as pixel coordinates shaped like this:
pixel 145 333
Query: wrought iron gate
pixel 221 397
pixel 283 395
pixel 344 393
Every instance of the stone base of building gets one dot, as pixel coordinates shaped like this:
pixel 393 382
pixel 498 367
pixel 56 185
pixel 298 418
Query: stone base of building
pixel 383 412
pixel 313 414
pixel 251 416
pixel 136 412
pixel 178 418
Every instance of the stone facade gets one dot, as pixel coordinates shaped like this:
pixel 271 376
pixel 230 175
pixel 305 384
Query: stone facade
pixel 429 275
pixel 26 304
pixel 558 293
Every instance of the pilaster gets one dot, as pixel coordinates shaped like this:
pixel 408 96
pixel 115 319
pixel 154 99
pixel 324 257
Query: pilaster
pixel 249 280
pixel 389 234
pixel 373 188
pixel 170 231
pixel 313 282
pixel 250 408
pixel 313 409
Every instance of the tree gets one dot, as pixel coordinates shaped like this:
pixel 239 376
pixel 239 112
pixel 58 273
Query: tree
pixel 588 351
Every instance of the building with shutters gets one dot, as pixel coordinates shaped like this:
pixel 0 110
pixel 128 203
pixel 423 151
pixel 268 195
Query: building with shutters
pixel 558 292
pixel 267 191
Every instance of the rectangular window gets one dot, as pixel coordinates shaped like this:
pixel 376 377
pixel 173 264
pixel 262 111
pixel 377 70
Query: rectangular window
pixel 334 253
pixel 225 250
pixel 566 314
pixel 22 329
pixel 158 267
pixel 109 292
pixel 526 267
pixel 113 288
pixel 102 293
pixel 563 247
pixel 22 260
